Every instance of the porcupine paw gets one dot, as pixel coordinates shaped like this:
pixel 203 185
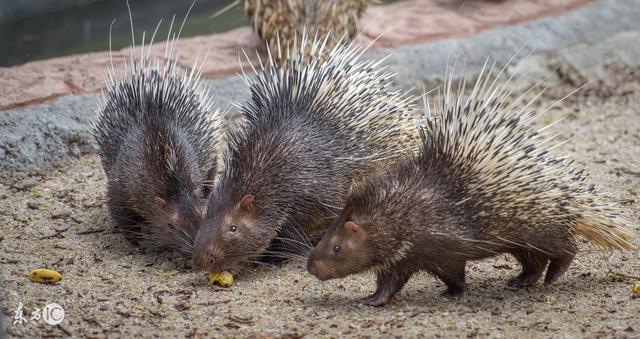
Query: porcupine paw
pixel 557 267
pixel 376 300
pixel 133 234
pixel 453 293
pixel 533 266
pixel 522 281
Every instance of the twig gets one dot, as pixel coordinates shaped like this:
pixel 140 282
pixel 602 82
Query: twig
pixel 57 234
pixel 623 275
pixel 91 231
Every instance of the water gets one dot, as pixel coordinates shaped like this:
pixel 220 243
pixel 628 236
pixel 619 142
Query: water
pixel 86 28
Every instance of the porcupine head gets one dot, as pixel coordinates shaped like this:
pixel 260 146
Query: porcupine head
pixel 238 234
pixel 344 250
pixel 176 196
pixel 241 220
pixel 357 240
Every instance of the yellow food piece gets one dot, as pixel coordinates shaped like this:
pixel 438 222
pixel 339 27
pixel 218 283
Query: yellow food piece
pixel 224 279
pixel 549 299
pixel 636 287
pixel 44 276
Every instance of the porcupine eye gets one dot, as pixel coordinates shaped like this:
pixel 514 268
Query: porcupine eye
pixel 233 228
pixel 336 248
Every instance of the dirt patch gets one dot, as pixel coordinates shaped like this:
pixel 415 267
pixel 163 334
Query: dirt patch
pixel 57 219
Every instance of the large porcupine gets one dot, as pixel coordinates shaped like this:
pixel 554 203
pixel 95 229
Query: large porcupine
pixel 484 183
pixel 157 136
pixel 281 22
pixel 312 127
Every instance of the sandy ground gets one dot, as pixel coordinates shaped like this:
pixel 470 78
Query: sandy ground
pixel 57 219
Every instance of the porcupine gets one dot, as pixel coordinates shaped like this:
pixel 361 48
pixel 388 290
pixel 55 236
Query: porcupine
pixel 281 22
pixel 157 136
pixel 483 183
pixel 312 126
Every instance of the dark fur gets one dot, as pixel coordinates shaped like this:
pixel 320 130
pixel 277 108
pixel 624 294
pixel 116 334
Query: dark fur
pixel 159 145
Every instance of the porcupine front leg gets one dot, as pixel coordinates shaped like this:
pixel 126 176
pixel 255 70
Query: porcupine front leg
pixel 128 223
pixel 389 282
pixel 533 265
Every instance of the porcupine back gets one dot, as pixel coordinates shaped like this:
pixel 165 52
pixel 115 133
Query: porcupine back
pixel 490 147
pixel 156 92
pixel 312 126
pixel 359 123
pixel 344 93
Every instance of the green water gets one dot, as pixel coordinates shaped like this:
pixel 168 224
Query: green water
pixel 86 28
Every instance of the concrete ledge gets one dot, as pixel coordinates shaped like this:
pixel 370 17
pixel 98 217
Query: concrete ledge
pixel 41 135
pixel 588 25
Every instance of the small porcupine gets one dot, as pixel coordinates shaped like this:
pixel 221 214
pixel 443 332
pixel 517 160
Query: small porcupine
pixel 484 183
pixel 157 136
pixel 311 127
pixel 281 22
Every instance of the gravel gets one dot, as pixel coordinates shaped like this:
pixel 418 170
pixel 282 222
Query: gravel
pixel 56 218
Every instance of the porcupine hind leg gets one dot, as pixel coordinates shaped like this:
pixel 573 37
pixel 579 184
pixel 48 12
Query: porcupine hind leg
pixel 452 274
pixel 389 282
pixel 533 265
pixel 558 265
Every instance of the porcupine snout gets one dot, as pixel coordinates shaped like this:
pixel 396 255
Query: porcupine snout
pixel 209 259
pixel 318 268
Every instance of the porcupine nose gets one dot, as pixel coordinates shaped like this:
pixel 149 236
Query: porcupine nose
pixel 311 267
pixel 208 260
pixel 318 269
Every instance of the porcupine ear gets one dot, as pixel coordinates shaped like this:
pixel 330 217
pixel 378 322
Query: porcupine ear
pixel 160 202
pixel 352 226
pixel 247 202
pixel 358 234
